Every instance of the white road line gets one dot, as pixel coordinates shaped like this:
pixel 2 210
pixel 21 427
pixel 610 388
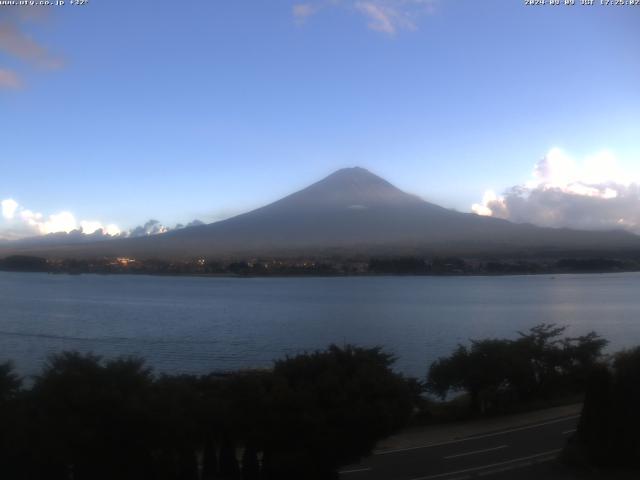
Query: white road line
pixel 567 432
pixel 476 451
pixel 477 437
pixel 492 465
pixel 355 470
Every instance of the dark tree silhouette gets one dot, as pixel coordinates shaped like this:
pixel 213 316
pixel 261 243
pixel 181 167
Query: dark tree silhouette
pixel 607 433
pixel 10 383
pixel 496 373
pixel 481 371
pixel 250 463
pixel 12 434
pixel 89 419
pixel 330 408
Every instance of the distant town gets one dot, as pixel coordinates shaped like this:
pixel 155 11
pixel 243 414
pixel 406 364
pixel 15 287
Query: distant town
pixel 328 266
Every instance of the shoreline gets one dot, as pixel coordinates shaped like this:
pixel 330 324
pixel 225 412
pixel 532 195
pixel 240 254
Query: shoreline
pixel 325 275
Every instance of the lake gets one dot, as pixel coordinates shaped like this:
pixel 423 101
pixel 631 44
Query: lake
pixel 200 324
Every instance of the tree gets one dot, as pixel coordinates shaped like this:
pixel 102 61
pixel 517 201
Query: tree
pixel 496 373
pixel 329 408
pixel 581 355
pixel 10 383
pixel 594 427
pixel 91 419
pixel 250 463
pixel 626 398
pixel 12 438
pixel 482 371
pixel 175 410
pixel 610 421
pixel 24 263
pixel 86 418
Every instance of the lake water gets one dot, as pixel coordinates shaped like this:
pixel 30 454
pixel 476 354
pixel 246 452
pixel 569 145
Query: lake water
pixel 196 325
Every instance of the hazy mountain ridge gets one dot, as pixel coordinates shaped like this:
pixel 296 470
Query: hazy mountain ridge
pixel 350 211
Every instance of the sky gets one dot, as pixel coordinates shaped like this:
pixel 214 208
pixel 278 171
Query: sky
pixel 113 113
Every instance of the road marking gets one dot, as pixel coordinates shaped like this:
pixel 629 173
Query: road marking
pixel 355 470
pixel 567 432
pixel 477 437
pixel 476 451
pixel 492 465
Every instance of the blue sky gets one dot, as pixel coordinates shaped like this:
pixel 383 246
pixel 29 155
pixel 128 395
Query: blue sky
pixel 119 111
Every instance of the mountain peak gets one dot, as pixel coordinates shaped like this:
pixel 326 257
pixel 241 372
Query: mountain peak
pixel 353 187
pixel 358 174
pixel 353 171
pixel 357 177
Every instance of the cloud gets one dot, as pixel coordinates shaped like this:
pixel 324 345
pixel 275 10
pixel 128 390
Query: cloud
pixel 302 11
pixel 385 16
pixel 152 227
pixel 18 44
pixel 9 207
pixel 155 227
pixel 59 222
pixel 92 226
pixel 9 79
pixel 380 18
pixel 22 222
pixel 15 42
pixel 591 194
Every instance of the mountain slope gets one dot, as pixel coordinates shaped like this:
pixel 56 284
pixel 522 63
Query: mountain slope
pixel 353 211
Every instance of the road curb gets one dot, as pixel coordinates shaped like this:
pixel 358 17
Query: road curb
pixel 444 433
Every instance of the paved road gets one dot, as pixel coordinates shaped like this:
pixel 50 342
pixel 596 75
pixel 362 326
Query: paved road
pixel 469 457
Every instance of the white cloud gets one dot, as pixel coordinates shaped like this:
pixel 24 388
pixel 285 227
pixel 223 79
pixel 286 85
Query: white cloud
pixel 564 192
pixel 381 18
pixel 385 16
pixel 93 226
pixel 22 222
pixel 488 199
pixel 9 207
pixel 90 227
pixel 111 229
pixel 59 222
